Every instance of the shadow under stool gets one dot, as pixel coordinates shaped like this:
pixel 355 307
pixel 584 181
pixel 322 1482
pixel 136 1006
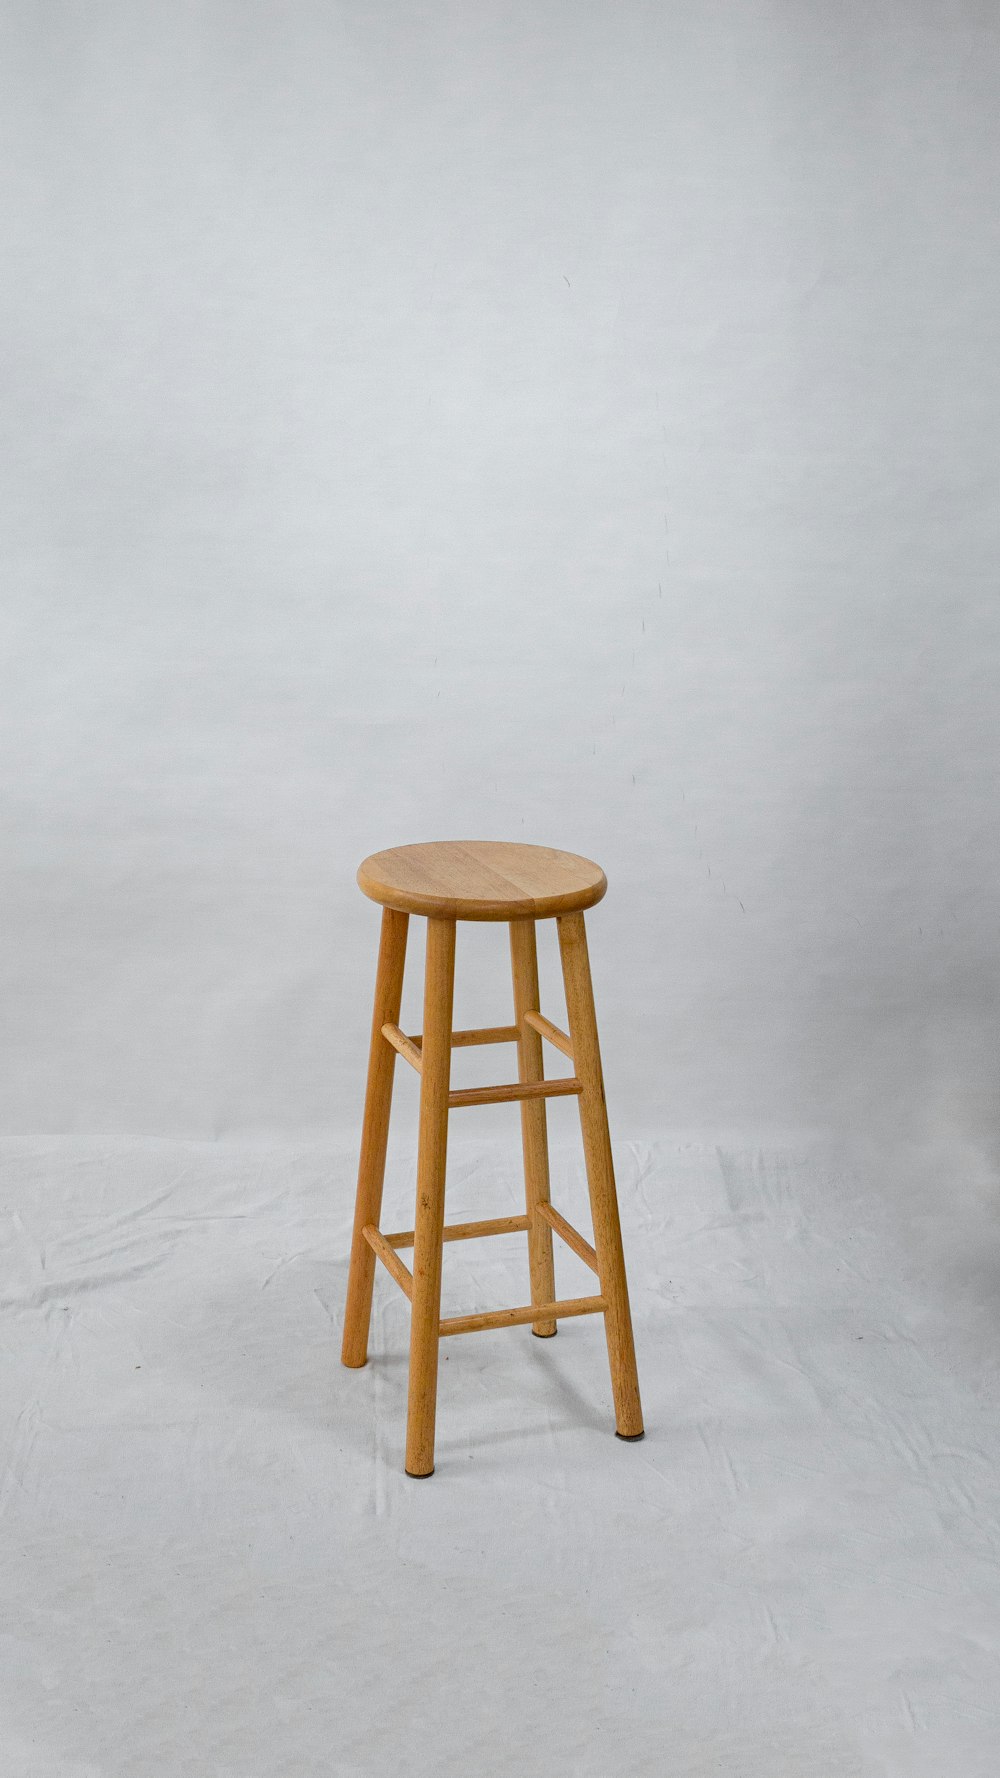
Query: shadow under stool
pixel 446 882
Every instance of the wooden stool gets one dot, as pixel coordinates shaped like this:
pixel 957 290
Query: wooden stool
pixel 485 880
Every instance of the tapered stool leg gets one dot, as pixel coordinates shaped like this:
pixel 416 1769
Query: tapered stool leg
pixel 600 1174
pixel 534 1128
pixel 374 1136
pixel 435 1081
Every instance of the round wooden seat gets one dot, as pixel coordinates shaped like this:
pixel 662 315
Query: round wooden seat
pixel 482 880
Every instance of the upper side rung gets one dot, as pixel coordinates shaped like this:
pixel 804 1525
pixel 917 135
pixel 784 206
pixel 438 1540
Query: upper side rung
pixel 552 1033
pixel 405 1046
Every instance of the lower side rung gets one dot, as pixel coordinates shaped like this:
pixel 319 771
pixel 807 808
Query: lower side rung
pixel 570 1235
pixel 390 1259
pixel 577 1305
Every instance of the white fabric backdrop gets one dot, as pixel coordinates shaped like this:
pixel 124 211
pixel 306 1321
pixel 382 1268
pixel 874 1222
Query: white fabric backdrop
pixel 569 423
pixel 214 1566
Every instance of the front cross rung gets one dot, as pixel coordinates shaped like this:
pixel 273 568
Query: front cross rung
pixel 578 1305
pixel 463 1040
pixel 466 1231
pixel 525 1089
pixel 412 1048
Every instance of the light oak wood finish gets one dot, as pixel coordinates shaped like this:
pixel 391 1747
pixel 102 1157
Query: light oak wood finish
pixel 404 1046
pixel 552 1033
pixel 466 1231
pixel 461 1040
pixel 534 1130
pixel 600 1174
pixel 580 1305
pixel 512 1091
pixel 439 988
pixel 374 1137
pixel 410 1048
pixel 482 880
pixel 570 1235
pixel 384 1251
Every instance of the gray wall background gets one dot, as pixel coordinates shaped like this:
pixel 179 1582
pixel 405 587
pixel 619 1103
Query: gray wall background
pixel 576 423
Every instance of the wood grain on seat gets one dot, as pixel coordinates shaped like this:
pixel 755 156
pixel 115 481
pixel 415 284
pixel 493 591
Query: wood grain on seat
pixel 482 880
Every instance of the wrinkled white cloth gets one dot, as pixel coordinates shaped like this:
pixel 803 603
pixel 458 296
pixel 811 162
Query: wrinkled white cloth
pixel 213 1564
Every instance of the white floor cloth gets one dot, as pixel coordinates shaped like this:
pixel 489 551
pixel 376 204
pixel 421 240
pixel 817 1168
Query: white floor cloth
pixel 213 1564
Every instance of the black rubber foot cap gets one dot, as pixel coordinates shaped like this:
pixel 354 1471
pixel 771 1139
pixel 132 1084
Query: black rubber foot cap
pixel 631 1437
pixel 424 1476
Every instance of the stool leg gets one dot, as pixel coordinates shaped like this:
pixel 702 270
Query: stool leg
pixel 435 1080
pixel 374 1136
pixel 600 1174
pixel 534 1129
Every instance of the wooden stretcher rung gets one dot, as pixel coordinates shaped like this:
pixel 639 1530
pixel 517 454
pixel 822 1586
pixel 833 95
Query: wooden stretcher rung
pixel 526 1089
pixel 552 1033
pixel 462 1040
pixel 570 1235
pixel 579 1305
pixel 409 1050
pixel 390 1259
pixel 466 1231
